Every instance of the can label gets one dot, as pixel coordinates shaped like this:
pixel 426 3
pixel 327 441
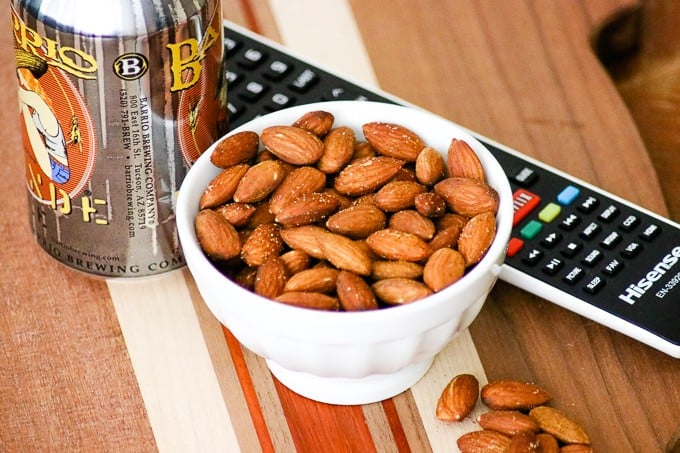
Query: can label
pixel 110 126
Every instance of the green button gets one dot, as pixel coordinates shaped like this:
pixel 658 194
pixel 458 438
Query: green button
pixel 549 212
pixel 531 229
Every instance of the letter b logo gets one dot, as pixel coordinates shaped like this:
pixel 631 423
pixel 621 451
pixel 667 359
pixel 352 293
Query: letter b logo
pixel 130 66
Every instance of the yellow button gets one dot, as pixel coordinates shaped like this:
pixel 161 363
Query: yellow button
pixel 549 212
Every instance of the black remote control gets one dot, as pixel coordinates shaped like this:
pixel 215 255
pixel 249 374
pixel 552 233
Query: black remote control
pixel 572 243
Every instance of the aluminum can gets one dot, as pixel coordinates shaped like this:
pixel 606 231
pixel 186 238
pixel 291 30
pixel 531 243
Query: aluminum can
pixel 117 99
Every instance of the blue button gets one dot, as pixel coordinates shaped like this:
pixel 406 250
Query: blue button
pixel 568 195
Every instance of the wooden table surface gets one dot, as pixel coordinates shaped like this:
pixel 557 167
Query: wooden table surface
pixel 89 364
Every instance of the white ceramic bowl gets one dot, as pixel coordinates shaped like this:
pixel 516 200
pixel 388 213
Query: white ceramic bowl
pixel 348 357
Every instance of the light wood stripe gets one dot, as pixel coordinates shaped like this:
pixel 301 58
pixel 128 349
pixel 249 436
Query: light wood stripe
pixel 175 373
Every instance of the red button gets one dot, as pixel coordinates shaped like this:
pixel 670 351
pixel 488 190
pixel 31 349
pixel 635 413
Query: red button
pixel 514 246
pixel 523 203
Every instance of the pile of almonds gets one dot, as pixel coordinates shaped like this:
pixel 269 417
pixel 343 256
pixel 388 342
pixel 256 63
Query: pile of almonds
pixel 519 420
pixel 324 220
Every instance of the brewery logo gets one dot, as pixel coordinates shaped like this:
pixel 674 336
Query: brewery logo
pixel 130 66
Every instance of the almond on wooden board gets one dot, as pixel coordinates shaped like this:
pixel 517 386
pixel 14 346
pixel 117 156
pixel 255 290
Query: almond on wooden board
pixel 476 237
pixel 235 149
pixel 318 122
pixel 338 150
pixel 443 268
pixel 367 175
pixel 466 196
pixel 271 278
pixel 292 144
pixel 547 443
pixel 357 221
pixel 393 140
pixel 397 291
pixel 513 395
pixel 483 442
pixel 463 162
pixel 458 398
pixel 259 181
pixel 317 301
pixel 263 243
pixel 217 237
pixel 354 293
pixel 555 422
pixel 222 187
pixel 524 442
pixel 301 181
pixel 508 422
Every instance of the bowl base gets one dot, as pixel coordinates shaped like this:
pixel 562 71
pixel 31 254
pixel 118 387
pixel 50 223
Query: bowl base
pixel 348 391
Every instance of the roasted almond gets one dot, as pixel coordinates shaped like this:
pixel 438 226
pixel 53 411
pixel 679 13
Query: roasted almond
pixel 398 245
pixel 357 221
pixel 354 293
pixel 393 140
pixel 382 269
pixel 222 187
pixel 366 176
pixel 458 398
pixel 397 195
pixel 476 237
pixel 235 149
pixel 217 237
pixel 463 162
pixel 238 214
pixel 524 442
pixel 295 261
pixel 338 150
pixel 343 253
pixel 430 166
pixel 362 150
pixel 508 422
pixel 263 243
pixel 555 422
pixel 317 301
pixel 411 221
pixel 577 448
pixel 301 181
pixel 292 144
pixel 304 238
pixel 466 196
pixel 483 442
pixel 547 443
pixel 307 209
pixel 261 215
pixel 271 278
pixel 447 237
pixel 259 181
pixel 318 122
pixel 511 394
pixel 430 204
pixel 397 291
pixel 443 268
pixel 317 279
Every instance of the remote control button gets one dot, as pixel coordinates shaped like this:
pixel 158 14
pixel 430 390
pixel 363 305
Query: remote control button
pixel 551 240
pixel 609 214
pixel 525 177
pixel 277 70
pixel 574 275
pixel 590 231
pixel 549 212
pixel 588 205
pixel 553 266
pixel 235 110
pixel 629 223
pixel 514 246
pixel 230 46
pixel 613 267
pixel 611 240
pixel 531 229
pixel 570 222
pixel 595 285
pixel 632 250
pixel 571 249
pixel 568 195
pixel 233 78
pixel 279 101
pixel 253 91
pixel 523 203
pixel 251 58
pixel 650 232
pixel 533 257
pixel 592 258
pixel 304 81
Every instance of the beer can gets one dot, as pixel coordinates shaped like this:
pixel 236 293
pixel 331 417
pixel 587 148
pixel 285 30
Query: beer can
pixel 117 100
